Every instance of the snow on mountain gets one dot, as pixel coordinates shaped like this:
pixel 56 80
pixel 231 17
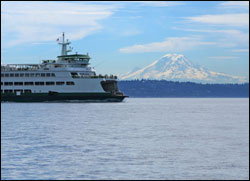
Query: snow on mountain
pixel 177 67
pixel 128 73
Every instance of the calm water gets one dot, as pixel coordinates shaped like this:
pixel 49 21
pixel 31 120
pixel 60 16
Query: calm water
pixel 136 139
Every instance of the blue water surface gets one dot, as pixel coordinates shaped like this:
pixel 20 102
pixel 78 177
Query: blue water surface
pixel 164 138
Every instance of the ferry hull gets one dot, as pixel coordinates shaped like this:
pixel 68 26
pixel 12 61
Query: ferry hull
pixel 62 97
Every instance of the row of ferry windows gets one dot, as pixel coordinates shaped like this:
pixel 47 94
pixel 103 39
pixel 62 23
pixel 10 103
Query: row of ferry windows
pixel 15 91
pixel 28 75
pixel 35 83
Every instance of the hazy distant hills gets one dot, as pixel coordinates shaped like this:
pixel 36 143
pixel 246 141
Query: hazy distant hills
pixel 176 67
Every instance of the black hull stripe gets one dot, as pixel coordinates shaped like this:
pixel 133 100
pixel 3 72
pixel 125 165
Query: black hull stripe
pixel 62 97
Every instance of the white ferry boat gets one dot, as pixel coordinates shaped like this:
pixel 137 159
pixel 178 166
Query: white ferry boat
pixel 69 78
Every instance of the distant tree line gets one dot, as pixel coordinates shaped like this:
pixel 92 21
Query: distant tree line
pixel 163 88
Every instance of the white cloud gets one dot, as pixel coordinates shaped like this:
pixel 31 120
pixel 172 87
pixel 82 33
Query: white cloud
pixel 241 50
pixel 223 57
pixel 172 44
pixel 240 19
pixel 34 22
pixel 159 3
pixel 227 38
pixel 235 4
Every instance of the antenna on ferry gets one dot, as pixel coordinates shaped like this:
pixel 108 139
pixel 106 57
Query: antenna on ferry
pixel 64 46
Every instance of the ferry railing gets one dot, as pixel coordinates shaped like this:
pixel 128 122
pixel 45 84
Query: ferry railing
pixel 95 76
pixel 19 68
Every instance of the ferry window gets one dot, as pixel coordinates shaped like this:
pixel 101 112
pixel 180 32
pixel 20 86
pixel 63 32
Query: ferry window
pixel 42 75
pixel 70 83
pixel 39 83
pixel 7 75
pixel 21 75
pixel 27 91
pixel 59 83
pixel 18 83
pixel 37 75
pixel 48 75
pixel 15 91
pixel 74 74
pixel 8 83
pixel 27 75
pixel 28 83
pixel 32 75
pixel 2 75
pixel 50 83
pixel 11 75
pixel 53 75
pixel 16 75
pixel 8 91
pixel 1 83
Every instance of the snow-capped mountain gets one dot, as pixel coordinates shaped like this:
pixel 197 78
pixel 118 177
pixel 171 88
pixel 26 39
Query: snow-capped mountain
pixel 177 67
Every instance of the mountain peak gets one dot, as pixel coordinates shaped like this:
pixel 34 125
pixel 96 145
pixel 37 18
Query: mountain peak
pixel 175 55
pixel 173 58
pixel 177 67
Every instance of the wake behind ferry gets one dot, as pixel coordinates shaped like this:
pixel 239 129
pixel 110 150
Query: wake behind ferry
pixel 69 78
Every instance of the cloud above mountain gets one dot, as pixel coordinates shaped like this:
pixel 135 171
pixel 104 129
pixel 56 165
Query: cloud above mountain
pixel 239 19
pixel 235 4
pixel 172 44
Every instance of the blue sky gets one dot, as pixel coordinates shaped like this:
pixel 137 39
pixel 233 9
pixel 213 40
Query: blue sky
pixel 122 35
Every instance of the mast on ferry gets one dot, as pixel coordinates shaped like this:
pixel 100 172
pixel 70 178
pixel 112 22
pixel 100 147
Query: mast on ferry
pixel 64 44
